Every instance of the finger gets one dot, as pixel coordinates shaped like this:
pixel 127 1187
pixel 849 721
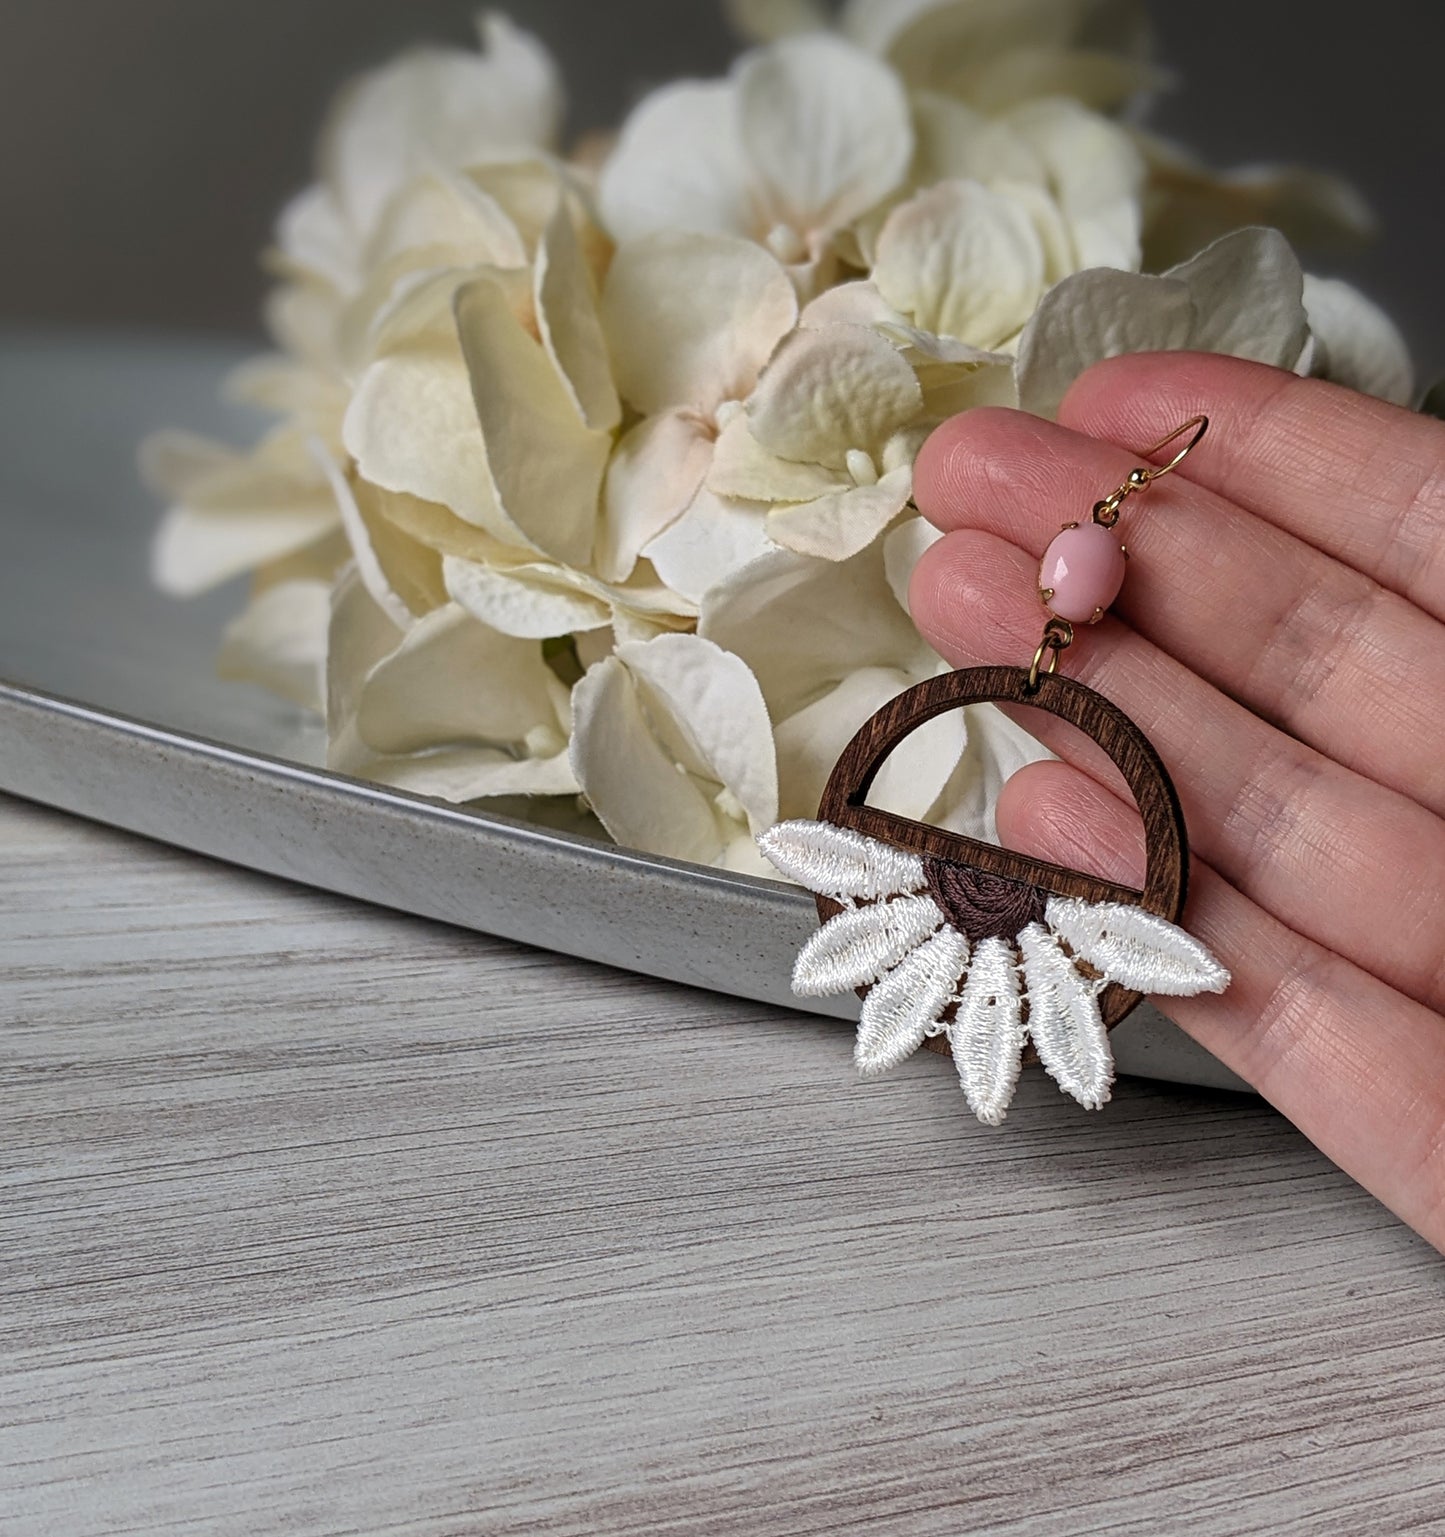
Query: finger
pixel 1306 641
pixel 1333 1048
pixel 1340 860
pixel 1360 479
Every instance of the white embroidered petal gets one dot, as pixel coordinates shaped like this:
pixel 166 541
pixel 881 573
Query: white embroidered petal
pixel 987 1036
pixel 1136 949
pixel 840 863
pixel 1064 1022
pixel 904 1006
pixel 855 947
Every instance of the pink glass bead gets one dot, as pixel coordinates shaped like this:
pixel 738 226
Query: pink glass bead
pixel 1085 568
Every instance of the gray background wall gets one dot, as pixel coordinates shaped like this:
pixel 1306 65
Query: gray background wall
pixel 145 144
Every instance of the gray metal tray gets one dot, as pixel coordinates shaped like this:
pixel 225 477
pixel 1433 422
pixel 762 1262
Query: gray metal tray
pixel 109 708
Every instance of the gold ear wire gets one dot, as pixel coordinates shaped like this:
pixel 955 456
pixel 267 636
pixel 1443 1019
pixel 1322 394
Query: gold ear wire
pixel 1140 479
pixel 1201 426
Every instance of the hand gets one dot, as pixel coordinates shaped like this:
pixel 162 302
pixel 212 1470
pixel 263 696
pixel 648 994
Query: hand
pixel 1281 639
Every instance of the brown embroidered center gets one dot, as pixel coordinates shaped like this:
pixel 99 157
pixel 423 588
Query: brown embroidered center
pixel 982 904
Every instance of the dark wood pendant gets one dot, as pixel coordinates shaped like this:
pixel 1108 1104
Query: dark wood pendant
pixel 986 890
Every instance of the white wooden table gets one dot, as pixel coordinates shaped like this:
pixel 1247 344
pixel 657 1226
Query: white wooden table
pixel 318 1219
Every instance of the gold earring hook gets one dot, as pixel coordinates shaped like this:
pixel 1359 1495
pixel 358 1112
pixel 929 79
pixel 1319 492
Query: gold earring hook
pixel 1140 479
pixel 1200 425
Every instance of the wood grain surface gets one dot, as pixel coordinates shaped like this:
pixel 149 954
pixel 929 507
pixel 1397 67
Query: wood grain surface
pixel 321 1220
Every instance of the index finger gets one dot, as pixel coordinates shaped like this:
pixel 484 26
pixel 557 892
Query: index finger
pixel 1356 477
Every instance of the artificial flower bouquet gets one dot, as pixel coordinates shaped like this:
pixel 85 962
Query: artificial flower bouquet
pixel 591 475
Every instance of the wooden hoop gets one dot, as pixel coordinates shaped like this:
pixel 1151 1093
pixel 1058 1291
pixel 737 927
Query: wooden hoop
pixel 1166 876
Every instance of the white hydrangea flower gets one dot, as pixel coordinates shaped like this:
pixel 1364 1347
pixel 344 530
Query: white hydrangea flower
pixel 806 136
pixel 513 454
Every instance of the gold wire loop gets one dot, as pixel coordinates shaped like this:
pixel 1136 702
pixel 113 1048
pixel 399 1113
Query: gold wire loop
pixel 1058 633
pixel 1154 471
pixel 1144 475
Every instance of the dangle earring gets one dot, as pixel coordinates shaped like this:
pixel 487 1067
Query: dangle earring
pixel 950 939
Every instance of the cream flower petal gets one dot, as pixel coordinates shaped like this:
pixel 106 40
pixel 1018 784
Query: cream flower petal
pixel 803 625
pixel 412 428
pixel 1095 315
pixel 449 217
pixel 962 260
pixel 1095 172
pixel 543 461
pixel 673 748
pixel 902 550
pixel 956 142
pixel 1357 343
pixel 826 129
pixel 742 467
pixel 953 43
pixel 1190 205
pixel 810 741
pixel 530 601
pixel 692 318
pixel 678 165
pixel 1248 296
pixel 849 304
pixel 570 325
pixel 231 511
pixel 361 639
pixel 830 390
pixel 764 21
pixel 652 477
pixel 436 105
pixel 279 642
pixel 994 749
pixel 403 577
pixel 437 527
pixel 839 525
pixel 453 680
pixel 315 240
pixel 712 540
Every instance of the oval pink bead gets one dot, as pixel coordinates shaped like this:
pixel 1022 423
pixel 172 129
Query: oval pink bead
pixel 1085 568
